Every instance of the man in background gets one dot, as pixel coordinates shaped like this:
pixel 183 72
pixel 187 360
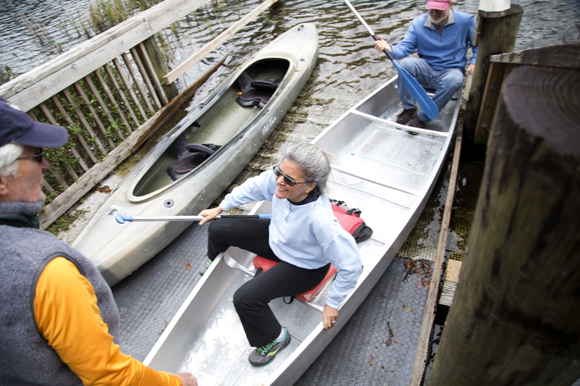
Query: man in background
pixel 442 38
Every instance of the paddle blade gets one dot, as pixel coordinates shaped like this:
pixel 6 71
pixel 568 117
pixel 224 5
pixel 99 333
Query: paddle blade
pixel 418 92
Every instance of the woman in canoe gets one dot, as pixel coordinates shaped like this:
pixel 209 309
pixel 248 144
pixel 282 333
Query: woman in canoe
pixel 303 235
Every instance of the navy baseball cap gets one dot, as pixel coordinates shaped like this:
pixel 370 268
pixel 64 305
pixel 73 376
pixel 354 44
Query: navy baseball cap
pixel 17 127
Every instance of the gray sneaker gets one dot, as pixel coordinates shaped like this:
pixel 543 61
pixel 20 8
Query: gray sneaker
pixel 205 267
pixel 266 354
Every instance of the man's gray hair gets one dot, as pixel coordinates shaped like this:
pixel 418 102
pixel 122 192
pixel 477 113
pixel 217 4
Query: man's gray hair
pixel 8 155
pixel 313 163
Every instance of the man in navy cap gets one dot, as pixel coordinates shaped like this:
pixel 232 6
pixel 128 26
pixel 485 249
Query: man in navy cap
pixel 59 324
pixel 442 38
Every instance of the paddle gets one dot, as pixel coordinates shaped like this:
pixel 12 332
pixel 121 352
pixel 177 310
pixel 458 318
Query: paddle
pixel 417 91
pixel 122 219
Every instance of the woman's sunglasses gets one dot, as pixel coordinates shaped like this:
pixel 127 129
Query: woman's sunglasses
pixel 38 155
pixel 287 180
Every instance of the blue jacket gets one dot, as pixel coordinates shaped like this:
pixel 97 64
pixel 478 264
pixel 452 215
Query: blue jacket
pixel 442 51
pixel 307 236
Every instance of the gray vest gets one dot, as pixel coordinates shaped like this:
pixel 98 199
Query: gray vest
pixel 25 356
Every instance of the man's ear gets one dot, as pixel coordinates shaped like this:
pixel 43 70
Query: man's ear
pixel 3 185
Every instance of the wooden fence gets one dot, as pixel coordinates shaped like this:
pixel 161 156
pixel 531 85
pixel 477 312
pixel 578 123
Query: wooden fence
pixel 108 93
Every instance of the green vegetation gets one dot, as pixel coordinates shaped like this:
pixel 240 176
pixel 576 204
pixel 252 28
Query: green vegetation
pixel 63 222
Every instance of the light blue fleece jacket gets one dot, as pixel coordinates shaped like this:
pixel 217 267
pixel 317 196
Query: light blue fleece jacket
pixel 307 236
pixel 442 51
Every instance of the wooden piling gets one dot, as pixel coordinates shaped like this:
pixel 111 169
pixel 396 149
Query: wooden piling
pixel 514 319
pixel 496 33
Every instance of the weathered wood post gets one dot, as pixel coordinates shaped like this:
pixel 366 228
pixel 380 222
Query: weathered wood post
pixel 496 33
pixel 516 312
pixel 160 65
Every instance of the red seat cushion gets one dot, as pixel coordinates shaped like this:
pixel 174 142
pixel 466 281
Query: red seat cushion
pixel 266 264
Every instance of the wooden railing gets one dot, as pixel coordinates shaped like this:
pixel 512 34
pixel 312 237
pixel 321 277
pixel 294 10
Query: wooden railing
pixel 108 93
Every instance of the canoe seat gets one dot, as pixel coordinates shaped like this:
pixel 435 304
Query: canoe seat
pixel 255 92
pixel 189 156
pixel 265 264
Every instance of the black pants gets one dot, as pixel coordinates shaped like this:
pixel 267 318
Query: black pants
pixel 251 299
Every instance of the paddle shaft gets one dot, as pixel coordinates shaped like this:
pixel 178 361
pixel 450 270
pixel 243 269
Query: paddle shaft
pixel 368 28
pixel 415 88
pixel 123 219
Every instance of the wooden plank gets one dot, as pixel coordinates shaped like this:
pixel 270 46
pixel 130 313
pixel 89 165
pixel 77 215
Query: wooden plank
pixel 450 283
pixel 153 73
pixel 452 271
pixel 47 186
pixel 114 101
pixel 136 81
pixel 561 55
pixel 102 104
pixel 70 171
pixel 491 92
pixel 123 97
pixel 88 180
pixel 84 121
pixel 447 293
pixel 39 84
pixel 145 77
pixel 183 67
pixel 94 113
pixel 129 88
pixel 57 176
pixel 429 316
pixel 79 137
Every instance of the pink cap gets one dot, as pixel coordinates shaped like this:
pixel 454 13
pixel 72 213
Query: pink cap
pixel 438 4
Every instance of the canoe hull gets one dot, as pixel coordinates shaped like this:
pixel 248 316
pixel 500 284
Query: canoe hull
pixel 117 250
pixel 393 188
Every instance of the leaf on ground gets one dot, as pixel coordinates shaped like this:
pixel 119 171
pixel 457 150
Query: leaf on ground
pixel 188 266
pixel 382 295
pixel 372 359
pixel 425 282
pixel 398 342
pixel 404 306
pixel 389 341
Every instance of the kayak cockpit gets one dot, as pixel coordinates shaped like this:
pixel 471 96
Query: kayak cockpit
pixel 230 114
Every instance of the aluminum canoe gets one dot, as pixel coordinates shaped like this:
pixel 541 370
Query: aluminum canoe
pixel 391 188
pixel 117 250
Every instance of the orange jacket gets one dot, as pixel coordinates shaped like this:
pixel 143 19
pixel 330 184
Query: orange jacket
pixel 67 315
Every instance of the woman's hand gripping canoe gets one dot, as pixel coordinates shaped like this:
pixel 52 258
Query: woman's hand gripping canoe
pixel 329 316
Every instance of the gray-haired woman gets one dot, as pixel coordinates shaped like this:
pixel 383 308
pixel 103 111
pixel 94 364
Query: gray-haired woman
pixel 303 235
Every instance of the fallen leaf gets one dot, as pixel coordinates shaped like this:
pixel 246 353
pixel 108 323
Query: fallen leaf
pixel 409 309
pixel 389 341
pixel 372 359
pixel 188 266
pixel 382 295
pixel 398 342
pixel 425 282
